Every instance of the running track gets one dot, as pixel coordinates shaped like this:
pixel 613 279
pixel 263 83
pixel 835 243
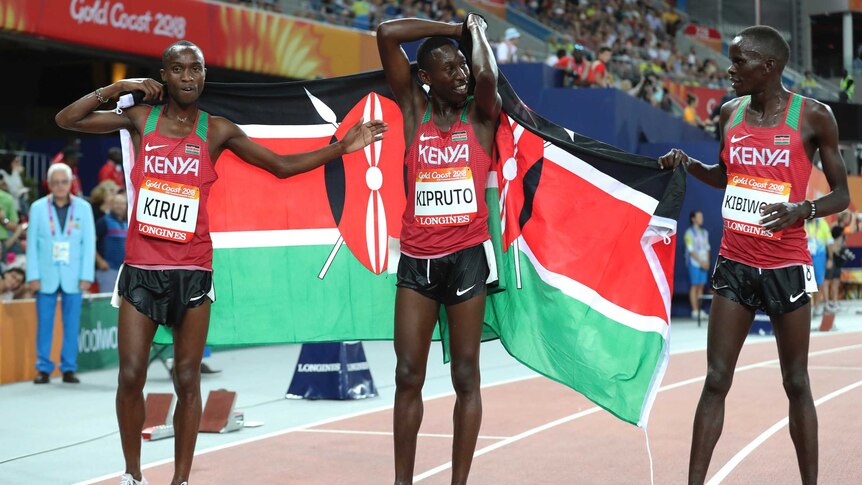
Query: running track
pixel 535 431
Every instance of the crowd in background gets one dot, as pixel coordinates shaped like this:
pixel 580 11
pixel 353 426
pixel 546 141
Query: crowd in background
pixel 367 14
pixel 109 207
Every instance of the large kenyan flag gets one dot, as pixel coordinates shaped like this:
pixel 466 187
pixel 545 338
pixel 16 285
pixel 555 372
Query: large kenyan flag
pixel 584 233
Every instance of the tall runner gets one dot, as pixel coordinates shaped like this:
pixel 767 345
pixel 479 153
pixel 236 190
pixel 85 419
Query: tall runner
pixel 450 136
pixel 167 275
pixel 769 137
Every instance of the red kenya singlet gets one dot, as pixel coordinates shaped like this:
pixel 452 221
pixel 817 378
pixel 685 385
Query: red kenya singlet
pixel 446 176
pixel 171 177
pixel 764 166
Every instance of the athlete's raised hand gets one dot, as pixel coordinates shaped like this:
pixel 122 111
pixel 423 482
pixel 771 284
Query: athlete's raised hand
pixel 777 217
pixel 673 158
pixel 476 20
pixel 151 88
pixel 363 134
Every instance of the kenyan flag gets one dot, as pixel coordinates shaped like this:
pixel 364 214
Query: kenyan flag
pixel 584 234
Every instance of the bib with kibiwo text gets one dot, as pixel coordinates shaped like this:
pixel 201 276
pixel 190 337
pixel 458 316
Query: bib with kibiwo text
pixel 743 199
pixel 167 210
pixel 445 197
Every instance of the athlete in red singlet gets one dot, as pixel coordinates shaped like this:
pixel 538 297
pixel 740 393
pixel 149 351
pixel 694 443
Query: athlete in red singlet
pixel 768 140
pixel 450 136
pixel 167 275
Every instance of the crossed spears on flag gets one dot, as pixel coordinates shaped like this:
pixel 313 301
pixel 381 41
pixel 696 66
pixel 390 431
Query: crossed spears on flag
pixel 376 236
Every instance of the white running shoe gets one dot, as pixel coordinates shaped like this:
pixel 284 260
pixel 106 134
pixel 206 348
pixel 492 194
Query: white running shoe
pixel 127 479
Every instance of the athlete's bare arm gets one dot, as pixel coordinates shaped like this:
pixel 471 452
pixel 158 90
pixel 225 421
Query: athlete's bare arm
pixel 408 93
pixel 820 131
pixel 712 175
pixel 227 135
pixel 82 115
pixel 484 69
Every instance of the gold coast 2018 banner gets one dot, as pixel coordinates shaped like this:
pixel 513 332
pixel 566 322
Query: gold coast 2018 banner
pixel 230 36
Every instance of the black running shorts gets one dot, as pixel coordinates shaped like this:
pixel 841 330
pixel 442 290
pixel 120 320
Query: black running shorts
pixel 165 295
pixel 450 279
pixel 775 291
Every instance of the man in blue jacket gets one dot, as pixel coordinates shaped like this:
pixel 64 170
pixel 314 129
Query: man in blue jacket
pixel 61 252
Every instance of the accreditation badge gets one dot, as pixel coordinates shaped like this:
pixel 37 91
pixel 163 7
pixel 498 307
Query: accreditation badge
pixel 445 197
pixel 60 252
pixel 743 198
pixel 167 210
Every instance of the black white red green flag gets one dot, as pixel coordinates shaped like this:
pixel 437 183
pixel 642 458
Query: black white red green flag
pixel 585 238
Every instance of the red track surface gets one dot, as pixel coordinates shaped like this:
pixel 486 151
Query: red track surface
pixel 595 448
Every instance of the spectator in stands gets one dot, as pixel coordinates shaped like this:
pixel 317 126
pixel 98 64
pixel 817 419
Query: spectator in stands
pixel 507 51
pixel 61 250
pixel 840 255
pixel 598 74
pixel 13 278
pixel 8 218
pixel 100 198
pixel 71 155
pixel 689 114
pixel 11 169
pixel 847 87
pixel 556 57
pixel 111 232
pixel 808 85
pixel 820 245
pixel 113 167
pixel 697 259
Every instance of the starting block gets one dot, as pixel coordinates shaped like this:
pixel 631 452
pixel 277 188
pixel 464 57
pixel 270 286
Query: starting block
pixel 219 415
pixel 160 414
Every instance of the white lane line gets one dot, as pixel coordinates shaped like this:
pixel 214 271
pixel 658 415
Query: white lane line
pixel 389 433
pixel 824 367
pixel 587 412
pixel 737 459
pixel 111 476
pixel 509 441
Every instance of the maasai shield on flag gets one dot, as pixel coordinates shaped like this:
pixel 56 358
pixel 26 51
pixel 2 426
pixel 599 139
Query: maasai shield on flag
pixel 589 236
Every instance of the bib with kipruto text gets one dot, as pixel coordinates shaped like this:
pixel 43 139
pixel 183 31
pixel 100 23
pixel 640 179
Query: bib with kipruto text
pixel 445 197
pixel 744 197
pixel 167 210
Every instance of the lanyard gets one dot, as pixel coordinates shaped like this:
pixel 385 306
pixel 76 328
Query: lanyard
pixel 51 215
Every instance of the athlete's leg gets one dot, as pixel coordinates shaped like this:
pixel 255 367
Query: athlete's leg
pixel 465 335
pixel 792 331
pixel 729 323
pixel 134 338
pixel 415 317
pixel 189 340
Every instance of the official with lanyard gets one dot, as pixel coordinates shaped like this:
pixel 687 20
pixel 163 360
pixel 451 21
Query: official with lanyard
pixel 61 253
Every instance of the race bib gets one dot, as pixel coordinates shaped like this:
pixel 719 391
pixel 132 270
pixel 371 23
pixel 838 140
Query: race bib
pixel 744 197
pixel 445 197
pixel 167 210
pixel 60 253
pixel 810 282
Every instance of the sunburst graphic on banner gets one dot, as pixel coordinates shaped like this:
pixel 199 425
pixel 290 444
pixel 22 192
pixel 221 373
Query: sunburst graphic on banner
pixel 270 44
pixel 13 15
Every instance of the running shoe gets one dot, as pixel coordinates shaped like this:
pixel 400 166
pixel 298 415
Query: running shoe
pixel 127 479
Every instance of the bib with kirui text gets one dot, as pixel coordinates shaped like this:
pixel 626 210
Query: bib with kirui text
pixel 743 199
pixel 167 210
pixel 445 197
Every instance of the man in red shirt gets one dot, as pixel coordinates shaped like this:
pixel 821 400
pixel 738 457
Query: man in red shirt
pixel 113 167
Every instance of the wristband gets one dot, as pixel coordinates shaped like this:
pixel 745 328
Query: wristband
pixel 98 93
pixel 813 210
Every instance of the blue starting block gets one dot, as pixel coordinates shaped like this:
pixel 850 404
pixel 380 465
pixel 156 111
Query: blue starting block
pixel 332 370
pixel 761 325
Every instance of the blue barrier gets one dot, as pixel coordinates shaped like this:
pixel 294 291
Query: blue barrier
pixel 332 370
